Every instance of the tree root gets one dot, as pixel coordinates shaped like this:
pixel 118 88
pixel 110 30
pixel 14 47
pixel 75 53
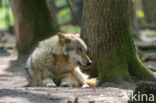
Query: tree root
pixel 138 69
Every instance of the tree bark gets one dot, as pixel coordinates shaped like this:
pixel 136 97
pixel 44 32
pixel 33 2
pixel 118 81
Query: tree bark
pixel 106 30
pixel 149 7
pixel 53 12
pixel 133 19
pixel 79 5
pixel 32 23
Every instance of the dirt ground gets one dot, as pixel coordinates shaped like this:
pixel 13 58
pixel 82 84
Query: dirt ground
pixel 13 90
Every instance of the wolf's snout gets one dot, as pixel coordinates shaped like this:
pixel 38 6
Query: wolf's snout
pixel 89 62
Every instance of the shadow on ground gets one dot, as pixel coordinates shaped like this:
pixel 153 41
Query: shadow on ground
pixel 25 96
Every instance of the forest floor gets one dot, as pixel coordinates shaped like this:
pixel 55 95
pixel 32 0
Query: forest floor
pixel 13 81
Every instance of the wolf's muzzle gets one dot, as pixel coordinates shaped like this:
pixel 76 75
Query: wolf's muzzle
pixel 86 64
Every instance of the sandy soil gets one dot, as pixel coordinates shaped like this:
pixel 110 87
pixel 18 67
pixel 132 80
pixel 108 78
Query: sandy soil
pixel 13 90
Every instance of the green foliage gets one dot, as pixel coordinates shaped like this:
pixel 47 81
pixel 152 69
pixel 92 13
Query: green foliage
pixel 140 14
pixel 64 16
pixel 70 28
pixel 142 59
pixel 60 3
pixel 2 18
pixel 6 18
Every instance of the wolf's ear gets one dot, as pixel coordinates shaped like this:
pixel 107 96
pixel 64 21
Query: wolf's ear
pixel 63 38
pixel 60 35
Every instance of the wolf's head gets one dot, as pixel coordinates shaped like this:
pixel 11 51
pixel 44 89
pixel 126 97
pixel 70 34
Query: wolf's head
pixel 75 47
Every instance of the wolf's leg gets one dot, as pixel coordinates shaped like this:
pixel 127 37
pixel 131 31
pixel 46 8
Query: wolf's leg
pixel 81 77
pixel 69 80
pixel 66 80
pixel 48 82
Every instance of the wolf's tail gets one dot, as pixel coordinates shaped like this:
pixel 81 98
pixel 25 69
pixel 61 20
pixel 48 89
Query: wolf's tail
pixel 92 82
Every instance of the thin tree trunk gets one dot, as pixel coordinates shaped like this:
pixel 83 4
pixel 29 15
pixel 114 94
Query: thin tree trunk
pixel 133 19
pixel 32 23
pixel 74 16
pixel 149 7
pixel 53 12
pixel 106 29
pixel 79 5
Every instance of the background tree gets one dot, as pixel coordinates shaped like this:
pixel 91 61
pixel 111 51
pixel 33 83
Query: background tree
pixel 133 19
pixel 33 23
pixel 53 11
pixel 149 7
pixel 106 29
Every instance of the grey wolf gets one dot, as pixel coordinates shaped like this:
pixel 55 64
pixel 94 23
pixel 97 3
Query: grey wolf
pixel 56 62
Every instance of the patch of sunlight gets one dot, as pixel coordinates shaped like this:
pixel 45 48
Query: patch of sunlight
pixel 3 25
pixel 142 59
pixel 139 13
pixel 151 34
pixel 7 44
pixel 148 33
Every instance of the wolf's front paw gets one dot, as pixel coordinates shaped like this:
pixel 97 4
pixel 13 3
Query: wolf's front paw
pixel 51 85
pixel 65 84
pixel 85 86
pixel 48 83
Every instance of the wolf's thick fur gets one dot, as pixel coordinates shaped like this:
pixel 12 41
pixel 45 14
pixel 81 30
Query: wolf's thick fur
pixel 55 62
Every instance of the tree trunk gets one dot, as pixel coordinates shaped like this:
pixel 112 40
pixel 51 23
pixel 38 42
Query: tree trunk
pixel 53 12
pixel 133 19
pixel 32 23
pixel 79 5
pixel 149 7
pixel 106 30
